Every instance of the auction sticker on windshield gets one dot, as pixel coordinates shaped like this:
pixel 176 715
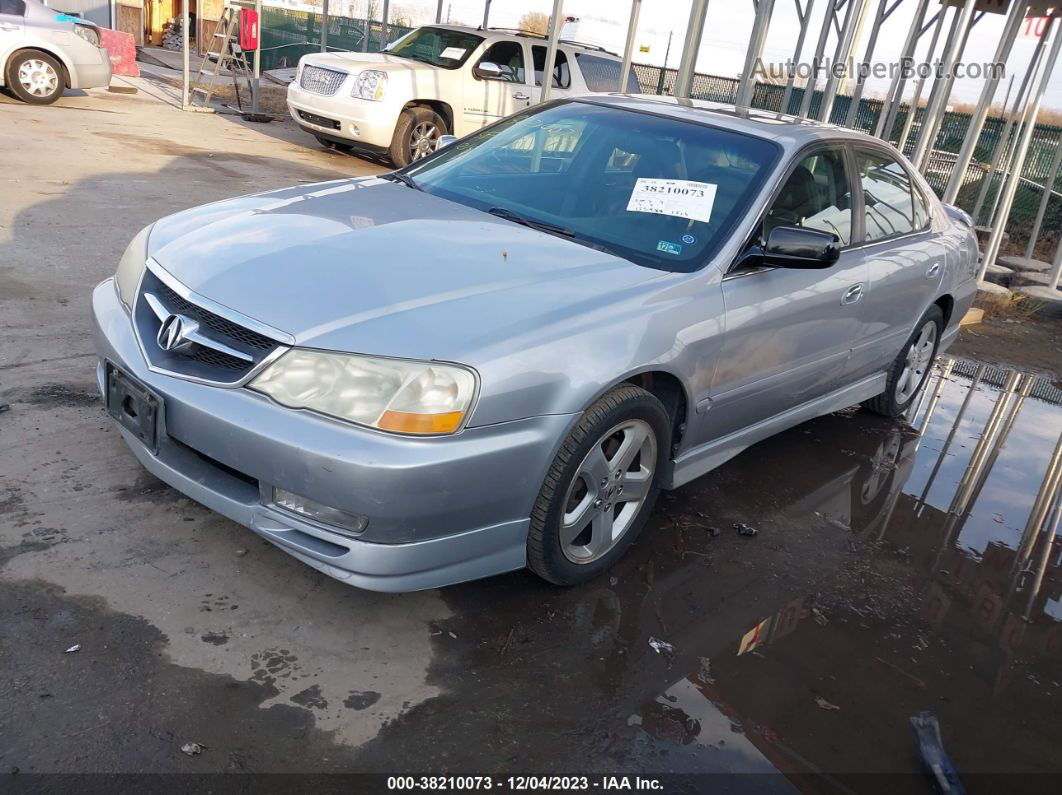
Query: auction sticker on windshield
pixel 681 198
pixel 452 53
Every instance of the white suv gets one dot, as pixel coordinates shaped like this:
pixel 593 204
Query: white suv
pixel 437 80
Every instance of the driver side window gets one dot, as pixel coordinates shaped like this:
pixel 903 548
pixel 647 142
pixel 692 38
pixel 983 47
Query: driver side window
pixel 509 56
pixel 817 195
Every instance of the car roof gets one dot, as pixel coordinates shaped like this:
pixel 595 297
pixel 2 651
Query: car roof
pixel 790 131
pixel 526 34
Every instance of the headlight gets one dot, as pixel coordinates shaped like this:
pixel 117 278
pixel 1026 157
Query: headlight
pixel 370 84
pixel 397 395
pixel 131 266
pixel 88 33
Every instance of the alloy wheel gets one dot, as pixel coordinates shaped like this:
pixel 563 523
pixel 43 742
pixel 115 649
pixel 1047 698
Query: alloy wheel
pixel 38 77
pixel 423 140
pixel 608 490
pixel 917 362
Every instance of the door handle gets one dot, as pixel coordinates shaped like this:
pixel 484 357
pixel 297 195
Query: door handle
pixel 520 95
pixel 852 294
pixel 934 271
pixel 8 27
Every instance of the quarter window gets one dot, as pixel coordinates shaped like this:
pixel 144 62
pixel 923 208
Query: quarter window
pixel 817 195
pixel 561 76
pixel 509 55
pixel 887 197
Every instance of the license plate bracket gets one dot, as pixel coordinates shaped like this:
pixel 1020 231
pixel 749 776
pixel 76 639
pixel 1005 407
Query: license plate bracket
pixel 135 407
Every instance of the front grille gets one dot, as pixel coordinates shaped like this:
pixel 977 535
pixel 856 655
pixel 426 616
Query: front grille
pixel 223 351
pixel 320 121
pixel 318 80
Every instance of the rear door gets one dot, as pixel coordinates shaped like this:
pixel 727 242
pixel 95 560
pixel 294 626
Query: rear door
pixel 905 259
pixel 488 99
pixel 11 28
pixel 789 332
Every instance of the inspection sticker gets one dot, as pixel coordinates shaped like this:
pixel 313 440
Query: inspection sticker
pixel 453 53
pixel 681 198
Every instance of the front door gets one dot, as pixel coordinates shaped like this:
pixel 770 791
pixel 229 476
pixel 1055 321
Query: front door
pixel 905 260
pixel 11 26
pixel 788 331
pixel 489 98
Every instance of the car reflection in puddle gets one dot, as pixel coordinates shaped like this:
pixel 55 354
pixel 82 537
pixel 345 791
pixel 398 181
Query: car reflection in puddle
pixel 895 571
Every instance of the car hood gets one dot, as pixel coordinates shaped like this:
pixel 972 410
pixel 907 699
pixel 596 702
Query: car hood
pixel 351 61
pixel 376 267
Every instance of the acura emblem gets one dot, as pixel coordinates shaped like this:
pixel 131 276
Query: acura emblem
pixel 174 333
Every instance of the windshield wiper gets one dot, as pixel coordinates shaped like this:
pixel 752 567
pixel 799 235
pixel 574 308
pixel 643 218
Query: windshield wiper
pixel 541 226
pixel 405 179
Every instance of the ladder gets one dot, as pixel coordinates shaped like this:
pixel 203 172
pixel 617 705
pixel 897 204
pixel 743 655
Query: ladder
pixel 229 55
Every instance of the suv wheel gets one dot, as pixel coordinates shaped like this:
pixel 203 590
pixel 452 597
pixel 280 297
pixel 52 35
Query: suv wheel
pixel 910 370
pixel 416 135
pixel 601 487
pixel 35 77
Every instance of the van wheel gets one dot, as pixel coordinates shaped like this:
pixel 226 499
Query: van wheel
pixel 416 135
pixel 35 77
pixel 910 370
pixel 601 487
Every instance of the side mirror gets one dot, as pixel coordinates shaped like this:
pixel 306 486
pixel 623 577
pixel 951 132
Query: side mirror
pixel 485 70
pixel 797 247
pixel 444 141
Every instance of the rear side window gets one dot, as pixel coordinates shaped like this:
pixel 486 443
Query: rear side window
pixel 561 76
pixel 603 74
pixel 817 195
pixel 887 197
pixel 16 8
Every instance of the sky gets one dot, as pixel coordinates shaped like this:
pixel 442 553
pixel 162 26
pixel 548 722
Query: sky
pixel 728 28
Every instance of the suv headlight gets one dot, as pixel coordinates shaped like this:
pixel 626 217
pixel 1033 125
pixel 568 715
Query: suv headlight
pixel 88 33
pixel 131 266
pixel 399 395
pixel 370 84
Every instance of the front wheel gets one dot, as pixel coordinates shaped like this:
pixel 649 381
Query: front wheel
pixel 601 487
pixel 35 77
pixel 416 135
pixel 910 370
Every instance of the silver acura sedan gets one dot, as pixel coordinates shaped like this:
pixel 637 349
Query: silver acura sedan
pixel 498 356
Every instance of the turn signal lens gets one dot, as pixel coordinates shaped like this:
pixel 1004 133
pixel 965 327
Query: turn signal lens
pixel 407 422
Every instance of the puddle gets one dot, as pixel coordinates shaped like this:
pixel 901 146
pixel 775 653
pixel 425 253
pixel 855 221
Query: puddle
pixel 889 576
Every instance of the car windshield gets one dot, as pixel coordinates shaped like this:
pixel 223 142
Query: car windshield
pixel 657 191
pixel 437 46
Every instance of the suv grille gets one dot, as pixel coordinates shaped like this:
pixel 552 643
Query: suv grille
pixel 319 80
pixel 215 348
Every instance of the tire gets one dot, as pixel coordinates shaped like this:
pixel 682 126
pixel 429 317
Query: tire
pixel 35 77
pixel 629 429
pixel 914 361
pixel 327 144
pixel 420 124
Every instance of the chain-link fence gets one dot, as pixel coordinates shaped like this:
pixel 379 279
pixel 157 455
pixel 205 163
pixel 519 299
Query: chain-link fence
pixel 981 183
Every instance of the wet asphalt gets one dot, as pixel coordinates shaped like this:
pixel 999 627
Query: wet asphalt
pixel 890 574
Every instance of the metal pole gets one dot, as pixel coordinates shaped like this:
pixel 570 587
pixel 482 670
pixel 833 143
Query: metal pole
pixel 438 13
pixel 1056 267
pixel 913 109
pixel 887 117
pixel 978 375
pixel 996 238
pixel 324 26
pixel 256 83
pixel 368 26
pixel 486 13
pixel 942 87
pixel 944 91
pixel 975 468
pixel 384 23
pixel 931 409
pixel 556 22
pixel 628 49
pixel 816 61
pixel 1041 505
pixel 1010 165
pixel 998 149
pixel 840 55
pixel 690 46
pixel 977 122
pixel 1049 188
pixel 805 18
pixel 842 86
pixel 857 95
pixel 185 73
pixel 764 9
pixel 1049 532
pixel 934 92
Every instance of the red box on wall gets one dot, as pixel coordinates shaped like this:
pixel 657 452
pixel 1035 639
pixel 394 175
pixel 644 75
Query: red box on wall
pixel 248 29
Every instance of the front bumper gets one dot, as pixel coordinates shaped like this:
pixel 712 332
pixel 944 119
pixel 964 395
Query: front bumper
pixel 440 510
pixel 94 73
pixel 342 117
